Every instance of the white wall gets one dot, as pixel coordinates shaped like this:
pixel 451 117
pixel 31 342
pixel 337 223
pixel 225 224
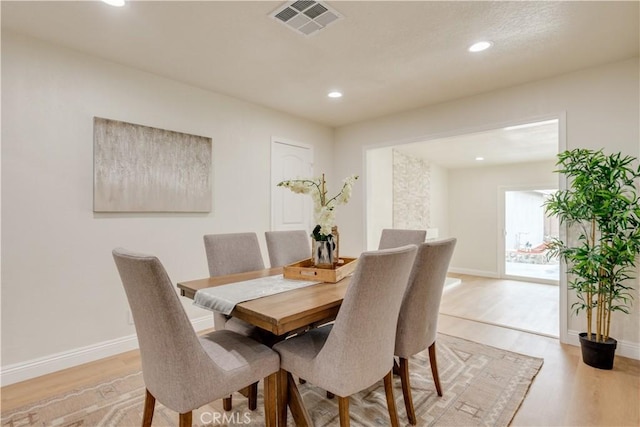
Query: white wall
pixel 379 187
pixel 602 109
pixel 380 196
pixel 439 202
pixel 463 203
pixel 60 288
pixel 474 195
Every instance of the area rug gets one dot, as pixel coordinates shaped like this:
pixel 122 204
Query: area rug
pixel 482 385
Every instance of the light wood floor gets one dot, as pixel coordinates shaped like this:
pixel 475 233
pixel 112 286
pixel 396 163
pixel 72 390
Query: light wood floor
pixel 524 318
pixel 530 307
pixel 566 392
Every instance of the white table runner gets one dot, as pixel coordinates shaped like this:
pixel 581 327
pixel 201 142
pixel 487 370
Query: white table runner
pixel 225 297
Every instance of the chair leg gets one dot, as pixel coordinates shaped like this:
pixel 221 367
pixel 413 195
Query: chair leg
pixel 270 400
pixel 185 419
pixel 227 403
pixel 391 403
pixel 406 390
pixel 434 367
pixel 149 406
pixel 343 407
pixel 253 396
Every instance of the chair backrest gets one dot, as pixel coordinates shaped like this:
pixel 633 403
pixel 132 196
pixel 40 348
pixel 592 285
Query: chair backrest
pixel 418 319
pixel 232 253
pixel 359 349
pixel 169 347
pixel 287 247
pixel 394 238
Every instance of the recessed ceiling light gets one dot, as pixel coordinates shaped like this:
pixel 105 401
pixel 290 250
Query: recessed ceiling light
pixel 480 46
pixel 335 94
pixel 117 3
pixel 479 158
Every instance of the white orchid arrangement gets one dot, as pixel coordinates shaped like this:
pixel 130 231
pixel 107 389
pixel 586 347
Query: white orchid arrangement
pixel 324 207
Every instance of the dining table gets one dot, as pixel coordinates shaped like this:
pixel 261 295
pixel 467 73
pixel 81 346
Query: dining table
pixel 280 315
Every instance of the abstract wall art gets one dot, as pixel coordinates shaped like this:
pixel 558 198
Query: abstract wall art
pixel 145 169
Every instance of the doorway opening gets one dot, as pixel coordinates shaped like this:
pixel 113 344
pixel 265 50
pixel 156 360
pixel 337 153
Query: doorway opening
pixel 451 186
pixel 527 231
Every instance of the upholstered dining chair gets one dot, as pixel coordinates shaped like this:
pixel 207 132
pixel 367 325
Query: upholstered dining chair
pixel 287 247
pixel 418 319
pixel 356 350
pixel 228 254
pixel 180 369
pixel 395 237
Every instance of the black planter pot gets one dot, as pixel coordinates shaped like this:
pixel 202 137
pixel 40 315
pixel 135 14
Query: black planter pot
pixel 598 354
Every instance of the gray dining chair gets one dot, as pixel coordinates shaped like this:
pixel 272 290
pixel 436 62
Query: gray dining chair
pixel 287 247
pixel 181 370
pixel 229 254
pixel 418 319
pixel 232 253
pixel 356 350
pixel 395 237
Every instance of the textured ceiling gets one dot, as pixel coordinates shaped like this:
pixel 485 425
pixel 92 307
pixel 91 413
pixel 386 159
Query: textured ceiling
pixel 530 142
pixel 386 56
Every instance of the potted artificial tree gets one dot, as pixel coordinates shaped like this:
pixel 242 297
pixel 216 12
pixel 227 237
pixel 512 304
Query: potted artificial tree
pixel 600 208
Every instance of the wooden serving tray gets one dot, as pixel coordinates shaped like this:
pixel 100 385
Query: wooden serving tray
pixel 305 270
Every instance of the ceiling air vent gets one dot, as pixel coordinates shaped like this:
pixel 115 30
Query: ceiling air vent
pixel 305 17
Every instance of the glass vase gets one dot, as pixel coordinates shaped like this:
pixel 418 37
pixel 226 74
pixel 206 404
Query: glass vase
pixel 324 253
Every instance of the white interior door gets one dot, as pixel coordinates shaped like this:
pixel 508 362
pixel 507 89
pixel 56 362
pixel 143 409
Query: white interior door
pixel 290 160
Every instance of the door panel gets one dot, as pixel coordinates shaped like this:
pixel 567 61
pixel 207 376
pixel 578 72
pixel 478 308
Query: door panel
pixel 290 211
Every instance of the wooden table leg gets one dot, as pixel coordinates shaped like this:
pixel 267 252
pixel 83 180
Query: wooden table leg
pixel 283 398
pixel 298 410
pixel 270 400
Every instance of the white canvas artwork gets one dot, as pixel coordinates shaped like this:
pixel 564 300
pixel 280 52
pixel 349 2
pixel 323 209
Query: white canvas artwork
pixel 145 169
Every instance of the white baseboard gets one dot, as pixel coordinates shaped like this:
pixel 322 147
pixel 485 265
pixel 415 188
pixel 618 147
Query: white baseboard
pixel 472 272
pixel 55 362
pixel 624 348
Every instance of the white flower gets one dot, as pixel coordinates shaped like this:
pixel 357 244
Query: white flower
pixel 325 219
pixel 324 209
pixel 347 185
